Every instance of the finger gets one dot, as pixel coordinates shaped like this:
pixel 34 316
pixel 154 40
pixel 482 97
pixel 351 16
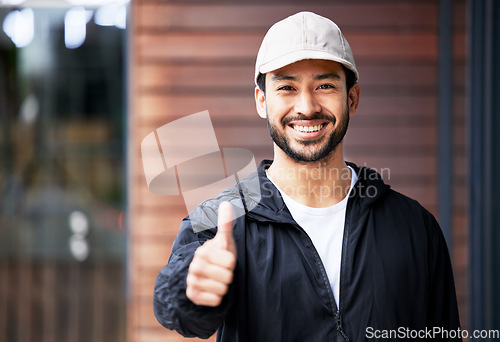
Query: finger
pixel 203 298
pixel 225 219
pixel 206 285
pixel 212 253
pixel 224 258
pixel 203 269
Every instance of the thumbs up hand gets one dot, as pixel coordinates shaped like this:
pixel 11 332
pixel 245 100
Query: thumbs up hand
pixel 212 267
pixel 224 236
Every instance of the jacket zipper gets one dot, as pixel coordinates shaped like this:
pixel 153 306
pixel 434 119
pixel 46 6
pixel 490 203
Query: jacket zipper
pixel 343 261
pixel 338 313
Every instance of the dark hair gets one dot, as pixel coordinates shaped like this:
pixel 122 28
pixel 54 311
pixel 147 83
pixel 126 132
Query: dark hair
pixel 261 82
pixel 350 79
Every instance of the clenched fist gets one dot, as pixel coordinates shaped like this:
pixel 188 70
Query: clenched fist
pixel 212 267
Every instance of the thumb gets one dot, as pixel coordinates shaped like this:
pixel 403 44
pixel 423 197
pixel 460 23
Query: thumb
pixel 225 219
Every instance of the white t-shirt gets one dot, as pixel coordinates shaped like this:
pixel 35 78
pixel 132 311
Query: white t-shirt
pixel 325 227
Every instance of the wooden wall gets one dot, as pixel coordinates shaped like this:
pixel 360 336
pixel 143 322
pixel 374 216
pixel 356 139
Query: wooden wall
pixel 190 56
pixel 49 300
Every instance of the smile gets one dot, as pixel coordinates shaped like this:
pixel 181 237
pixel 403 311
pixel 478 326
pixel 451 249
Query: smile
pixel 308 129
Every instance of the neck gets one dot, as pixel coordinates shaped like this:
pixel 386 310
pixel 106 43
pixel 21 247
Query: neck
pixel 316 184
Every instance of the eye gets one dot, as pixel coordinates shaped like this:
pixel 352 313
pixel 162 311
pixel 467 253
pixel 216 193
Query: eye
pixel 326 86
pixel 286 87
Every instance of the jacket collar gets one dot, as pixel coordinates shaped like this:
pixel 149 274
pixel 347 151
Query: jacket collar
pixel 269 205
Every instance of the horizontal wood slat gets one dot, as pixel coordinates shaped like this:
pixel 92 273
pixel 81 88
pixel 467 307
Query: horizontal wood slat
pixel 419 16
pixel 416 16
pixel 234 45
pixel 150 228
pixel 148 203
pixel 144 284
pixel 146 251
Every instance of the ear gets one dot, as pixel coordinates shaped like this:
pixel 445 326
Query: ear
pixel 353 98
pixel 260 102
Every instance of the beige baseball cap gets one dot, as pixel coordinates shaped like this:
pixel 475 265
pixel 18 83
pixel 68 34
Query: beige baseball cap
pixel 304 35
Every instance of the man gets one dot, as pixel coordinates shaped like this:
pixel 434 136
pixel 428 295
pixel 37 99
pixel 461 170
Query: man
pixel 327 252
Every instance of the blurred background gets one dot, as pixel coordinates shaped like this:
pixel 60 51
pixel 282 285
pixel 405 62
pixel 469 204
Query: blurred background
pixel 62 172
pixel 82 82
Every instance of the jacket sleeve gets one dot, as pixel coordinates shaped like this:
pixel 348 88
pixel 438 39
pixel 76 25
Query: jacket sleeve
pixel 442 306
pixel 171 306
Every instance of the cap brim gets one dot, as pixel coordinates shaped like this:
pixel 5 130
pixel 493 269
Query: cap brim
pixel 296 56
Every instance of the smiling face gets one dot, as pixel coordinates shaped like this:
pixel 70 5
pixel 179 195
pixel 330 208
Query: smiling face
pixel 307 108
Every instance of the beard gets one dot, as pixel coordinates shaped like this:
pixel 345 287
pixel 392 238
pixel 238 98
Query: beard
pixel 303 153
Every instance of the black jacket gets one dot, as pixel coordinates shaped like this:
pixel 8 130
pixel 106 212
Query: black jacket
pixel 396 279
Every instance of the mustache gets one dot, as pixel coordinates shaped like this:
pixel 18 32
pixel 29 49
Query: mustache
pixel 318 116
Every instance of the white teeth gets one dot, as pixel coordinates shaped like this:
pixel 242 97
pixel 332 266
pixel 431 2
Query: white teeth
pixel 307 128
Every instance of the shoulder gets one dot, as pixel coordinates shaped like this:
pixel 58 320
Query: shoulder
pixel 243 196
pixel 406 211
pixel 399 201
pixel 393 211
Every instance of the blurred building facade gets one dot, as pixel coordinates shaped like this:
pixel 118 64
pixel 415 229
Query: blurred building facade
pixel 62 178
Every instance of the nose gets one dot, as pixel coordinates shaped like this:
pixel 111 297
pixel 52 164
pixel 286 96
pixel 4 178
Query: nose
pixel 307 104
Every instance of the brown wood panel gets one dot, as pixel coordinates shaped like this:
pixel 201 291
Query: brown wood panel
pixel 460 216
pixel 405 75
pixel 144 283
pixel 460 223
pixel 160 227
pixel 460 256
pixel 147 202
pixel 157 110
pixel 229 46
pixel 172 76
pixel 147 207
pixel 222 46
pixel 69 315
pixel 194 57
pixel 459 196
pixel 249 16
pixel 459 15
pixel 146 318
pixel 145 252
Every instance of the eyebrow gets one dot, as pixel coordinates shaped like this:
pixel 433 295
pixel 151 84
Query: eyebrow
pixel 329 75
pixel 283 77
